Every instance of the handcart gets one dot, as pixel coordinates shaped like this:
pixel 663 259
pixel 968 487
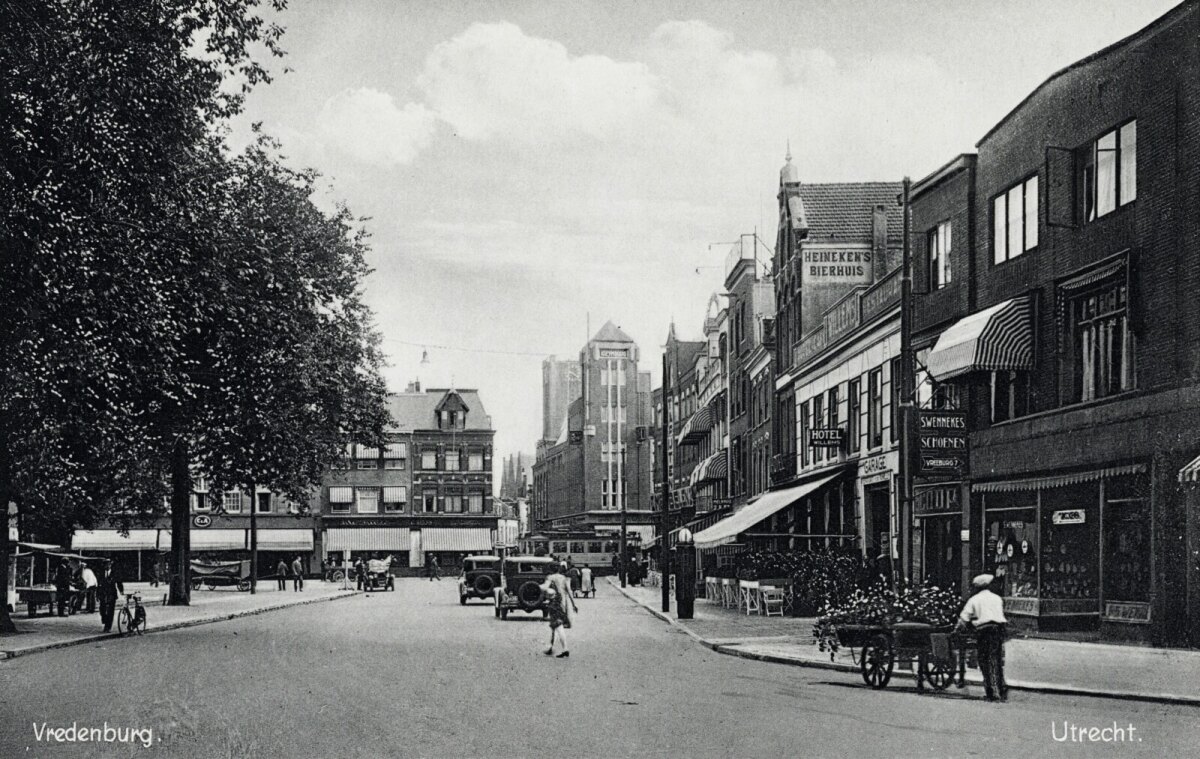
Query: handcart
pixel 214 574
pixel 939 652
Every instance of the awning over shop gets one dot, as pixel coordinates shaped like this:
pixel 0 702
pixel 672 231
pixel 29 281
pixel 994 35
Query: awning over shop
pixel 113 540
pixel 696 427
pixel 367 539
pixel 283 540
pixel 214 540
pixel 1191 472
pixel 996 338
pixel 715 467
pixel 1056 481
pixel 456 539
pixel 727 530
pixel 698 524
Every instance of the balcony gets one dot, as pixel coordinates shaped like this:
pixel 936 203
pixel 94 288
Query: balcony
pixel 783 468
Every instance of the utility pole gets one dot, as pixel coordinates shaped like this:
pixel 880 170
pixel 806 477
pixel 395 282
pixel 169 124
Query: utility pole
pixel 615 488
pixel 664 524
pixel 906 397
pixel 253 538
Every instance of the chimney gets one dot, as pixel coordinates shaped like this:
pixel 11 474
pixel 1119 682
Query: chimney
pixel 879 241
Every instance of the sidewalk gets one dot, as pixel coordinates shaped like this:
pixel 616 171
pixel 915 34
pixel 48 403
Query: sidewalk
pixel 46 632
pixel 1050 666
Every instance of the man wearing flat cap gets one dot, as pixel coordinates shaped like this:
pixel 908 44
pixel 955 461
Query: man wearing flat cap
pixel 984 611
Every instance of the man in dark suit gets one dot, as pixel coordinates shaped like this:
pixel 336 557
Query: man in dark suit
pixel 108 590
pixel 62 587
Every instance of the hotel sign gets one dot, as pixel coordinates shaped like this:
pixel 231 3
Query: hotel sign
pixel 826 437
pixel 942 442
pixel 836 266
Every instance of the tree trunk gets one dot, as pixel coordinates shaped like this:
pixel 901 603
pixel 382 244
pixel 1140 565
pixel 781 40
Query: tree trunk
pixel 181 537
pixel 6 624
pixel 253 540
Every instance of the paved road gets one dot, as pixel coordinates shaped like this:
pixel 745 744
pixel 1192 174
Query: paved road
pixel 412 673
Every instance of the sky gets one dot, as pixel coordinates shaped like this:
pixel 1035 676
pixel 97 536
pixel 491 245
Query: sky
pixel 529 169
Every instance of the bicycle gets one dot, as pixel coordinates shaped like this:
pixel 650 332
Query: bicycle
pixel 132 620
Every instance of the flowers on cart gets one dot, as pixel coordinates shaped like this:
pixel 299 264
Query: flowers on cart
pixel 878 604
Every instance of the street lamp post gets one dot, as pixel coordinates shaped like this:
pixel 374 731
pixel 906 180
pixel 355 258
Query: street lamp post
pixel 905 396
pixel 685 575
pixel 664 524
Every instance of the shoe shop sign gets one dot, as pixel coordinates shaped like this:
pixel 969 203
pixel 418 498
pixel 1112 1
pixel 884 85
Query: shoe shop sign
pixel 942 442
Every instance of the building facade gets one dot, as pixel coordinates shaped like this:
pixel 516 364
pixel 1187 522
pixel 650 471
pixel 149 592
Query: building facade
pixel 561 384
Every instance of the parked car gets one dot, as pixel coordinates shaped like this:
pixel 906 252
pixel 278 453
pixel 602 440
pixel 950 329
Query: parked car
pixel 379 575
pixel 479 578
pixel 522 586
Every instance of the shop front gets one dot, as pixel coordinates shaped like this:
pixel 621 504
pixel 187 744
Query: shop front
pixel 346 545
pixel 1072 552
pixel 876 487
pixel 937 535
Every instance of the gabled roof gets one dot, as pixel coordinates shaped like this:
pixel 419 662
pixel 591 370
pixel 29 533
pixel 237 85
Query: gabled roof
pixel 451 401
pixel 843 211
pixel 417 411
pixel 611 333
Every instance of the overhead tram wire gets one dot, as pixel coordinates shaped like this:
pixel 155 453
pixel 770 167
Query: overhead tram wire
pixel 467 350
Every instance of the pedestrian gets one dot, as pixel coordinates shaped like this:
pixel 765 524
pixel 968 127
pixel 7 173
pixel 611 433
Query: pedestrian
pixel 108 590
pixel 984 612
pixel 559 607
pixel 324 570
pixel 574 576
pixel 297 575
pixel 62 587
pixel 360 571
pixel 433 569
pixel 281 573
pixel 153 574
pixel 89 587
pixel 586 586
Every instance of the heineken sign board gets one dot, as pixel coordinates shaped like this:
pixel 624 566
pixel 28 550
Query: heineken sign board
pixel 942 443
pixel 826 437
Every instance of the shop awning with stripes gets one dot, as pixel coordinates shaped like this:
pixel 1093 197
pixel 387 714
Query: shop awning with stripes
pixel 396 451
pixel 284 540
pixel 1190 472
pixel 994 339
pixel 456 539
pixel 367 539
pixel 1058 480
pixel 715 467
pixel 728 529
pixel 696 427
pixel 220 540
pixel 367 453
pixel 112 540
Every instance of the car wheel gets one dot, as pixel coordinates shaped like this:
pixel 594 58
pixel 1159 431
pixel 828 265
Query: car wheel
pixel 484 585
pixel 504 614
pixel 462 600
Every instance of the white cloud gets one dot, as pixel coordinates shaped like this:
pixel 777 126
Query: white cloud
pixel 366 125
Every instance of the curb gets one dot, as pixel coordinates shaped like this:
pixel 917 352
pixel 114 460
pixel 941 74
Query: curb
pixel 8 655
pixel 1033 687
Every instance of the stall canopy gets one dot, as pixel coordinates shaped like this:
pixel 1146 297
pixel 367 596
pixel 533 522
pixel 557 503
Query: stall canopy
pixel 996 338
pixel 456 539
pixel 112 540
pixel 1056 481
pixel 1191 472
pixel 213 540
pixel 696 427
pixel 367 539
pixel 283 540
pixel 715 467
pixel 727 530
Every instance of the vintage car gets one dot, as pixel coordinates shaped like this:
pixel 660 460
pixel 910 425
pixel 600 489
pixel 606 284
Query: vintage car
pixel 479 579
pixel 379 575
pixel 522 586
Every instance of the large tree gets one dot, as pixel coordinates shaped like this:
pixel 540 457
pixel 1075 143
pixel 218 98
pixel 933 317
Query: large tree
pixel 100 104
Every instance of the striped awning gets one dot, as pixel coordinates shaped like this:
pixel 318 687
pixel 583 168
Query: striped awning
pixel 1191 472
pixel 289 539
pixel 1056 481
pixel 996 338
pixel 112 540
pixel 211 540
pixel 456 539
pixel 341 494
pixel 396 451
pixel 728 529
pixel 696 427
pixel 367 453
pixel 715 467
pixel 392 539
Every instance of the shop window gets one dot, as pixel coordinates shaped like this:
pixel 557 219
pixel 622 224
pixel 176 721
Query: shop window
pixel 875 408
pixel 1011 549
pixel 1070 542
pixel 1102 357
pixel 1127 540
pixel 1109 172
pixel 1015 221
pixel 937 247
pixel 366 500
pixel 853 414
pixel 1010 395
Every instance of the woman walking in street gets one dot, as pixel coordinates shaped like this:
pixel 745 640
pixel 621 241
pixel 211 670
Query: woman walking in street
pixel 560 605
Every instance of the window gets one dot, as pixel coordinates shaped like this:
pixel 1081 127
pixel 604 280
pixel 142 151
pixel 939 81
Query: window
pixel 452 461
pixel 804 434
pixel 938 249
pixel 429 459
pixel 818 410
pixel 264 503
pixel 1010 395
pixel 833 408
pixel 475 503
pixel 394 455
pixel 368 464
pixel 200 502
pixel 429 501
pixel 1015 221
pixel 1102 346
pixel 853 414
pixel 393 463
pixel 395 497
pixel 896 399
pixel 366 500
pixel 875 408
pixel 475 462
pixel 454 502
pixel 340 498
pixel 1110 172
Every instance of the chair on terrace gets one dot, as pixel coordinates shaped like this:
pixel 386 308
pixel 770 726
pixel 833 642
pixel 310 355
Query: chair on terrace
pixel 772 600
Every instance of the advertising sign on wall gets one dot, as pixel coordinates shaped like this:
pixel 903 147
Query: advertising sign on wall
pixel 836 265
pixel 826 437
pixel 942 443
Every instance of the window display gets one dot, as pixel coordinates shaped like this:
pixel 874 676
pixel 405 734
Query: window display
pixel 1012 551
pixel 1069 544
pixel 1127 540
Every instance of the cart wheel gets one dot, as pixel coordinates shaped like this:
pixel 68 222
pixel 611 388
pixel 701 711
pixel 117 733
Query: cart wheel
pixel 938 674
pixel 339 575
pixel 243 585
pixel 197 583
pixel 212 585
pixel 391 585
pixel 877 662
